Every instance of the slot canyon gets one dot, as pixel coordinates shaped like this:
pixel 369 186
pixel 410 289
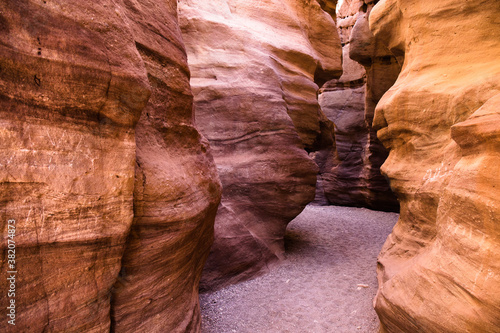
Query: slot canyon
pixel 298 165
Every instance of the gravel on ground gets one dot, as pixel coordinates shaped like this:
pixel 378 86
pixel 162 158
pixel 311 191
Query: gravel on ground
pixel 326 284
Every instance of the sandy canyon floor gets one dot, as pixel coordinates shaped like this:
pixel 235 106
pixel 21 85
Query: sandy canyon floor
pixel 326 283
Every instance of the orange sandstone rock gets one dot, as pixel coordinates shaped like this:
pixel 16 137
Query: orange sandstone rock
pixel 176 192
pixel 72 88
pixel 74 81
pixel 439 269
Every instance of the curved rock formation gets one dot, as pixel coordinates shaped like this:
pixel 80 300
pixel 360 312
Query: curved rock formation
pixel 342 101
pixel 254 66
pixel 382 69
pixel 355 179
pixel 71 92
pixel 176 192
pixel 74 80
pixel 439 270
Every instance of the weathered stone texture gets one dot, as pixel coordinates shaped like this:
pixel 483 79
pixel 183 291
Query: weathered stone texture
pixel 74 80
pixel 382 69
pixel 439 269
pixel 254 66
pixel 176 192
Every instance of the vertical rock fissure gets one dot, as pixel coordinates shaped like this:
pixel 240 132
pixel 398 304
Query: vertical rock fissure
pixel 355 178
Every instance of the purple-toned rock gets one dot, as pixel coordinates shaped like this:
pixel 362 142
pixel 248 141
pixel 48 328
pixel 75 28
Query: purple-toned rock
pixel 254 65
pixel 368 71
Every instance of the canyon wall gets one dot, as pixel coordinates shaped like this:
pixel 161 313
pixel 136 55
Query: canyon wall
pixel 254 65
pixel 342 101
pixel 74 82
pixel 176 192
pixel 354 179
pixel 439 270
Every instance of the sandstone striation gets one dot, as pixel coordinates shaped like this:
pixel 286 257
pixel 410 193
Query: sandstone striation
pixel 71 92
pixel 74 81
pixel 176 191
pixel 368 71
pixel 439 270
pixel 342 101
pixel 254 65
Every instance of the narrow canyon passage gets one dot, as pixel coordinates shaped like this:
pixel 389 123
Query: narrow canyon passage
pixel 326 284
pixel 151 149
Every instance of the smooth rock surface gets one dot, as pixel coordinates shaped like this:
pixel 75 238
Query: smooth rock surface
pixel 176 193
pixel 382 69
pixel 74 81
pixel 254 65
pixel 439 270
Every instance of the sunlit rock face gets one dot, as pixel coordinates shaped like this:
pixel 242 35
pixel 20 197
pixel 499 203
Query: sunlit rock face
pixel 254 65
pixel 74 81
pixel 439 270
pixel 369 70
pixel 72 88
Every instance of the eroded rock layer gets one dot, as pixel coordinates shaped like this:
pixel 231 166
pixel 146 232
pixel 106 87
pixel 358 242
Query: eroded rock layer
pixel 74 80
pixel 176 192
pixel 439 270
pixel 368 71
pixel 254 66
pixel 71 93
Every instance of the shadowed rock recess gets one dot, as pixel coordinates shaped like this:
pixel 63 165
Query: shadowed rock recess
pixel 75 79
pixel 369 70
pixel 439 270
pixel 254 65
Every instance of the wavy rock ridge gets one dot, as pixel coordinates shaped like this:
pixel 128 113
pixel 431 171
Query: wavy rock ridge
pixel 254 65
pixel 74 82
pixel 439 269
pixel 369 70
